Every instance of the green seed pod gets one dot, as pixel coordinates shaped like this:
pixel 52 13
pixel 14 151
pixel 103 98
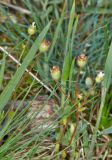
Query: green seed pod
pixel 32 29
pixel 81 60
pixel 55 73
pixel 99 78
pixel 44 46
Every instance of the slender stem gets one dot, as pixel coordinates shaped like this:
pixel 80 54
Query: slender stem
pixel 77 122
pixel 104 91
pixel 76 84
pixel 63 88
pixel 26 45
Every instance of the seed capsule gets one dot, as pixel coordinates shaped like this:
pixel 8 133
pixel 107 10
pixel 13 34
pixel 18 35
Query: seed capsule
pixel 32 29
pixel 99 78
pixel 81 60
pixel 44 46
pixel 55 73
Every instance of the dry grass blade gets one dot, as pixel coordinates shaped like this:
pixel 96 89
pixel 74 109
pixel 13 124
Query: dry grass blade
pixel 20 9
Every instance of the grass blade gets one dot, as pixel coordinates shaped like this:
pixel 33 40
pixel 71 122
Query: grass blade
pixel 2 70
pixel 108 68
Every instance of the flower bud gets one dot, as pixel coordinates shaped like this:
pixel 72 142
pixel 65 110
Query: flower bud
pixel 99 78
pixel 88 82
pixel 44 46
pixel 55 73
pixel 81 60
pixel 32 29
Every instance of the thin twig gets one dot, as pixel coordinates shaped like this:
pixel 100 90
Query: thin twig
pixel 30 73
pixel 20 9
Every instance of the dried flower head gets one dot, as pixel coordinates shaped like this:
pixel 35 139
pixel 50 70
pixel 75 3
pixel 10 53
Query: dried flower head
pixel 32 29
pixel 55 73
pixel 44 46
pixel 81 60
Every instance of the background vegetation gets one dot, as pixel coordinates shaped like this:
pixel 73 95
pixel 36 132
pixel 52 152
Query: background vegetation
pixel 76 114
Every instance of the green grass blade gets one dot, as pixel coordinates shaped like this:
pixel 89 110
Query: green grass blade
pixel 66 67
pixel 70 28
pixel 108 68
pixel 68 55
pixel 2 70
pixel 56 33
